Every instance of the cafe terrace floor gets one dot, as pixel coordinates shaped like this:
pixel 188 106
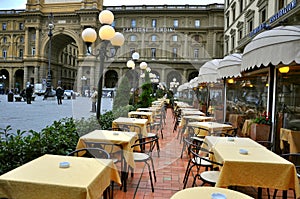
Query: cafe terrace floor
pixel 170 169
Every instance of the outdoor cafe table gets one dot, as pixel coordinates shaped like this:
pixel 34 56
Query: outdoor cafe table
pixel 259 168
pixel 198 118
pixel 292 138
pixel 154 110
pixel 184 112
pixel 210 127
pixel 149 115
pixel 42 178
pixel 142 123
pixel 119 138
pixel 206 193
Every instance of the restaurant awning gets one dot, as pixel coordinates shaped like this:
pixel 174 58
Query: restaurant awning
pixel 183 87
pixel 209 71
pixel 194 82
pixel 230 66
pixel 278 45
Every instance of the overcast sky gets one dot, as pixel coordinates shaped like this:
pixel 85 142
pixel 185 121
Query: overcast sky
pixel 21 4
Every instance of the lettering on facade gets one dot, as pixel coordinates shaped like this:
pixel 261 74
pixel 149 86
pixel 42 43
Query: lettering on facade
pixel 275 17
pixel 145 30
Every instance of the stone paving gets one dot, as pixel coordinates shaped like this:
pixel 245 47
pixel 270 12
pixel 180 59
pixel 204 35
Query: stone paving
pixel 41 113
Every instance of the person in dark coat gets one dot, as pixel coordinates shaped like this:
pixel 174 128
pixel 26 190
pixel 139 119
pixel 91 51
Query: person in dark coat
pixel 29 92
pixel 59 95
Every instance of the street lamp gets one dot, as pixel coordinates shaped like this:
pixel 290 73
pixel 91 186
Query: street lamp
pixel 50 34
pixel 174 84
pixel 2 78
pixel 107 35
pixel 131 64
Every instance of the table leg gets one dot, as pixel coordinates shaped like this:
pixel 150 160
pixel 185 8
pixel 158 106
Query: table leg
pixel 259 193
pixel 124 174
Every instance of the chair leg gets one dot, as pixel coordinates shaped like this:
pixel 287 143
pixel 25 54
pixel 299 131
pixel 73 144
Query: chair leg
pixel 150 175
pixel 195 178
pixel 153 170
pixel 157 147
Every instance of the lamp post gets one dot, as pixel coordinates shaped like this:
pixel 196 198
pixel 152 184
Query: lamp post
pixel 107 35
pixel 2 85
pixel 174 84
pixel 131 64
pixel 50 34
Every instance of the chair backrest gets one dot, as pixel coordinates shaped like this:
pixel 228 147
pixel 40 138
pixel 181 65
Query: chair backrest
pixel 200 153
pixel 197 131
pixel 145 146
pixel 90 153
pixel 107 146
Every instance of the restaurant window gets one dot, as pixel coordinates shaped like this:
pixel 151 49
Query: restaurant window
pixel 227 19
pixel 153 24
pixel 241 6
pixel 21 39
pixel 240 34
pixel 280 4
pixel 196 38
pixel 4 40
pixel 153 38
pixel 4 26
pixel 174 53
pixel 112 52
pixel 4 53
pixel 133 23
pixel 175 38
pixel 132 37
pixel 20 53
pixel 233 12
pixel 232 42
pixel 153 53
pixel 21 26
pixel 263 15
pixel 33 51
pixel 175 23
pixel 197 23
pixel 196 53
pixel 250 25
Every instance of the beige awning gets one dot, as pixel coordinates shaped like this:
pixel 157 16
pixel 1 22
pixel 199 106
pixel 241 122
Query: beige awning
pixel 275 46
pixel 209 71
pixel 230 66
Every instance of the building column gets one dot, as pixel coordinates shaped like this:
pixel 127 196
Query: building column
pixel 163 78
pixel 79 82
pixel 26 43
pixel 185 48
pixel 37 43
pixel 11 78
pixel 36 75
pixel 185 75
pixel 25 79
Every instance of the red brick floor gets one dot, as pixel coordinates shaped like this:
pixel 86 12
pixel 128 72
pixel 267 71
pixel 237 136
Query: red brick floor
pixel 170 169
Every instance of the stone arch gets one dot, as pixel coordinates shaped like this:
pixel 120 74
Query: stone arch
pixel 171 75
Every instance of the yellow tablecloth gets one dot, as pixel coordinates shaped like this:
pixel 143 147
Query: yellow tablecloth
pixel 149 115
pixel 184 112
pixel 292 137
pixel 259 168
pixel 246 128
pixel 198 118
pixel 211 127
pixel 125 139
pixel 132 121
pixel 206 193
pixel 86 178
pixel 154 110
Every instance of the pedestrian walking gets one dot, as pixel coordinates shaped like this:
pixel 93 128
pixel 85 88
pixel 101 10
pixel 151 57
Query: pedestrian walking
pixel 94 100
pixel 59 94
pixel 29 92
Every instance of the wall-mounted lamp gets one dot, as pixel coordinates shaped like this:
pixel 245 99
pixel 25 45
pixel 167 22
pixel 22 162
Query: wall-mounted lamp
pixel 230 81
pixel 284 69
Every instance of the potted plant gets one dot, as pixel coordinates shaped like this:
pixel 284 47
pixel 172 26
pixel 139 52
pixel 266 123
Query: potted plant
pixel 261 127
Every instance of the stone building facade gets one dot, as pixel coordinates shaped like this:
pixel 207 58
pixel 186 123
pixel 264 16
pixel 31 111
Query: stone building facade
pixel 175 41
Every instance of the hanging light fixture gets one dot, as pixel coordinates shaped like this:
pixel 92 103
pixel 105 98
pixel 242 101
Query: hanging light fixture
pixel 284 69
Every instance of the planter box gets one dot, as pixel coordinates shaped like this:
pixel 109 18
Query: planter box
pixel 260 132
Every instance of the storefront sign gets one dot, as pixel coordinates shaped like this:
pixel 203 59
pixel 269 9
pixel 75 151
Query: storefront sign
pixel 274 18
pixel 145 30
